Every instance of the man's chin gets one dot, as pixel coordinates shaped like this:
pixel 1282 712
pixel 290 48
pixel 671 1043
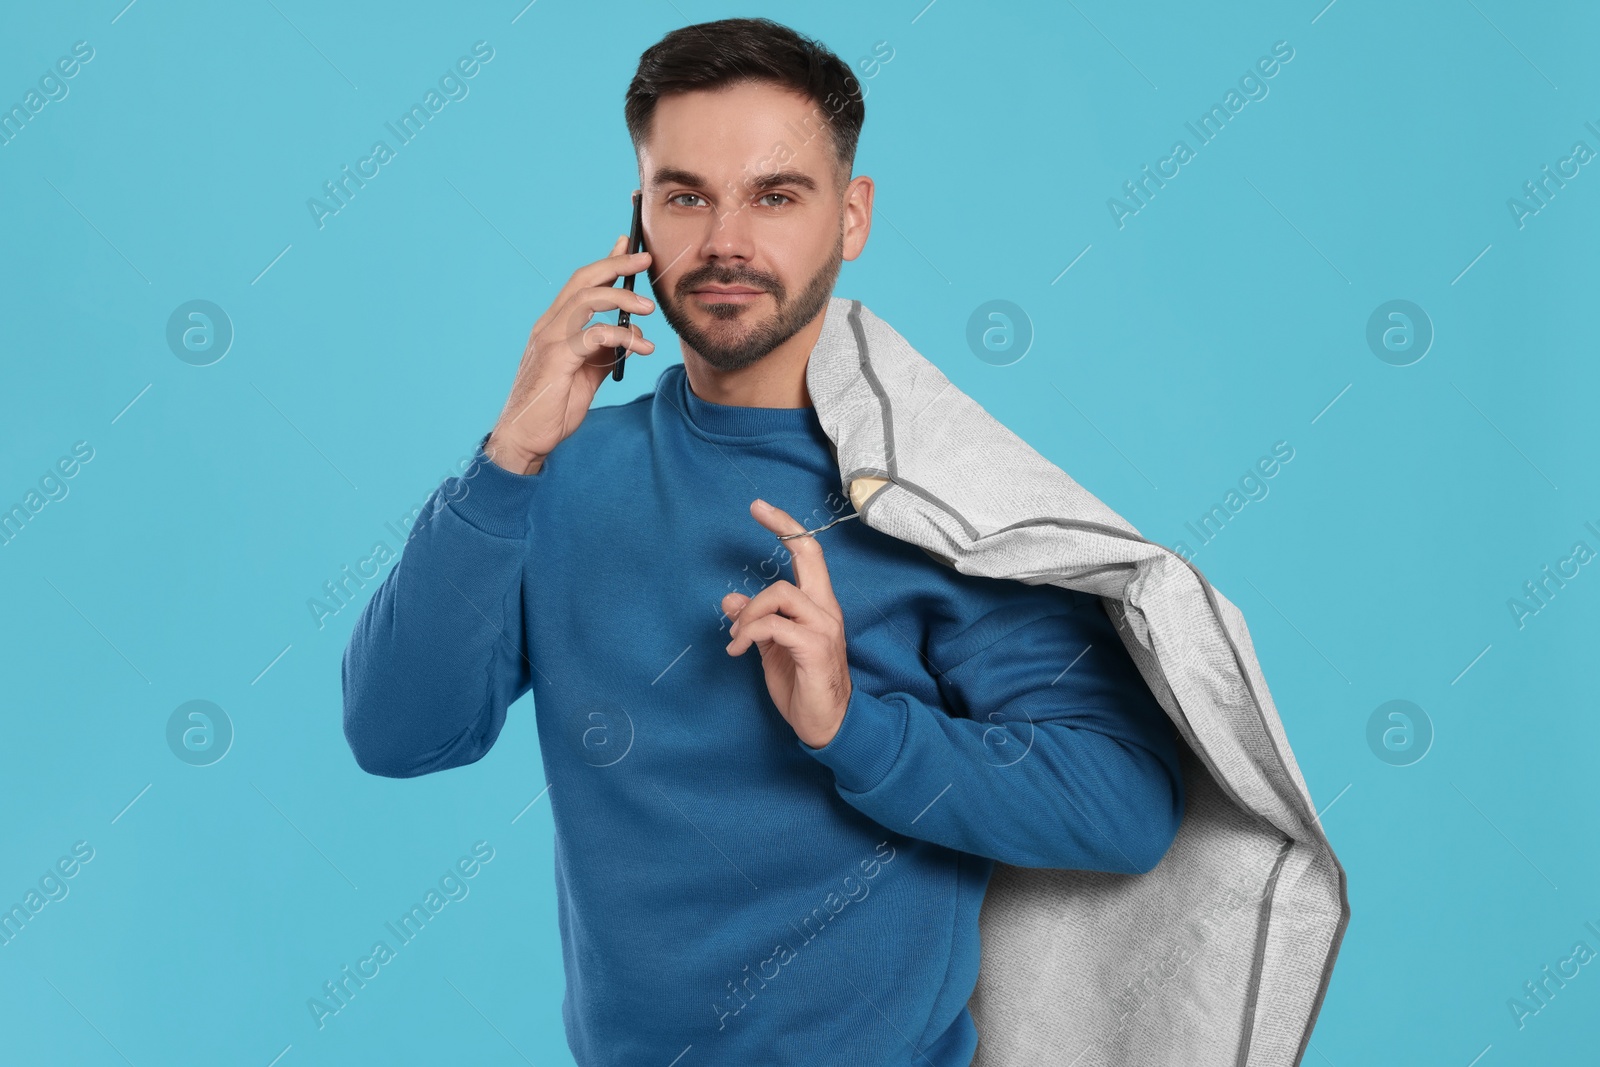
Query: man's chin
pixel 729 343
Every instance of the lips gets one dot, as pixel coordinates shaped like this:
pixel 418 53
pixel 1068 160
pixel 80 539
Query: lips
pixel 728 295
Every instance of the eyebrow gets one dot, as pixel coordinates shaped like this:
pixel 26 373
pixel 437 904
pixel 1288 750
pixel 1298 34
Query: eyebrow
pixel 678 176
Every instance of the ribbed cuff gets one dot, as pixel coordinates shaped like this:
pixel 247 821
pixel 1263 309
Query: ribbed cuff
pixel 868 743
pixel 492 498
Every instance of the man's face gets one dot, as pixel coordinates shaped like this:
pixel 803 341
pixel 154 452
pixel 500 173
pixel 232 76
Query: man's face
pixel 744 221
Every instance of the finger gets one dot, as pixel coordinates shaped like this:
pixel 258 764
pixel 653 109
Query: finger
pixel 792 602
pixel 596 343
pixel 573 314
pixel 607 337
pixel 596 350
pixel 732 603
pixel 619 247
pixel 609 298
pixel 785 633
pixel 602 273
pixel 810 572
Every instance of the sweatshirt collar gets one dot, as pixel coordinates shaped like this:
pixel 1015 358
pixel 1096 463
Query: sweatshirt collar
pixel 734 420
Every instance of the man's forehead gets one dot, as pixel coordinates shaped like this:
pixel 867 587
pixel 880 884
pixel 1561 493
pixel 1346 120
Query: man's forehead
pixel 748 135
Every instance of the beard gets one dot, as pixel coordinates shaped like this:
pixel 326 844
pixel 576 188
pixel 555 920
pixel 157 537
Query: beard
pixel 731 343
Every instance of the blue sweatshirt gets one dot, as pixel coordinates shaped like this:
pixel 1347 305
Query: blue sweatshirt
pixel 725 891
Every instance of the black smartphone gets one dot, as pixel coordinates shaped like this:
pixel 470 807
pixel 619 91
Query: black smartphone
pixel 635 244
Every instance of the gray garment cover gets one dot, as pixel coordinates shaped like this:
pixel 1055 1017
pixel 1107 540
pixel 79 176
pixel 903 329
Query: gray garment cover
pixel 1222 953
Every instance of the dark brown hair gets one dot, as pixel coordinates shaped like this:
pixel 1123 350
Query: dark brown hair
pixel 710 55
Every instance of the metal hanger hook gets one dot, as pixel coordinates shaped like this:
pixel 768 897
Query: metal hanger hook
pixel 819 529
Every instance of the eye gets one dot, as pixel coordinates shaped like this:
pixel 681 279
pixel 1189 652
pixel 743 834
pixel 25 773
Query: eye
pixel 781 196
pixel 680 196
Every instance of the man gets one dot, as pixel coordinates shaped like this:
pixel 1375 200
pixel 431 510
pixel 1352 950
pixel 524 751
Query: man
pixel 758 862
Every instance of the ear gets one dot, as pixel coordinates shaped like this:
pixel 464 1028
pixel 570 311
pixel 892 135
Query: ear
pixel 857 215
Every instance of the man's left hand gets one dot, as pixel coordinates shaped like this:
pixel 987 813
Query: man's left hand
pixel 799 629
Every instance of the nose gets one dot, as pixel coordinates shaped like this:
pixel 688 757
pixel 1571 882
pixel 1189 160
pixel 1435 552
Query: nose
pixel 729 237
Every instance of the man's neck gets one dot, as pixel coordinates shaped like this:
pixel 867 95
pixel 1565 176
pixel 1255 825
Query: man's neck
pixel 777 380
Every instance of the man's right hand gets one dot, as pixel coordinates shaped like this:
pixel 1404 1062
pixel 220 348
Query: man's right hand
pixel 566 359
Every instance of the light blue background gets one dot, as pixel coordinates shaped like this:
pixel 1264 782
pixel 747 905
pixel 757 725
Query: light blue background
pixel 1227 315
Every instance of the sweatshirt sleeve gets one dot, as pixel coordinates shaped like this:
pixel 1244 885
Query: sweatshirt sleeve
pixel 1052 753
pixel 437 655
